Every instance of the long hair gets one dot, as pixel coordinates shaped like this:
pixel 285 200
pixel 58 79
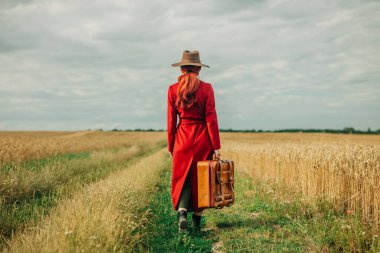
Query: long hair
pixel 188 85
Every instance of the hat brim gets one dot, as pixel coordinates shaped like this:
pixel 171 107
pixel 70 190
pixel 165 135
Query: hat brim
pixel 179 64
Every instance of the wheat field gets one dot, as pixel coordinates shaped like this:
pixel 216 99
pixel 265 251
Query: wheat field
pixel 103 216
pixel 90 191
pixel 20 146
pixel 342 169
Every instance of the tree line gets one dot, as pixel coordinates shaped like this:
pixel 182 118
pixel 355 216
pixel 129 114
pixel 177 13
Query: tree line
pixel 345 130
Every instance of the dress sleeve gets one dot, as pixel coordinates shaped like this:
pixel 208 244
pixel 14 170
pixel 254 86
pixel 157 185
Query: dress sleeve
pixel 212 120
pixel 172 121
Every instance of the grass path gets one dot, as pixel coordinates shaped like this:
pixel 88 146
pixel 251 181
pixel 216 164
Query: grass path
pixel 69 174
pixel 259 221
pixel 105 216
pixel 251 225
pixel 161 233
pixel 254 225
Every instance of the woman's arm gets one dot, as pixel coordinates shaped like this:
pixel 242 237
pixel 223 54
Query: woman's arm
pixel 217 153
pixel 172 122
pixel 212 120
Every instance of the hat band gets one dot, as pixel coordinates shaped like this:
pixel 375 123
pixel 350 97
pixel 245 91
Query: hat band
pixel 190 61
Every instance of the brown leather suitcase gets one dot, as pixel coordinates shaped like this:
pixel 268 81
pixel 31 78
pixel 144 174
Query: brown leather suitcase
pixel 215 183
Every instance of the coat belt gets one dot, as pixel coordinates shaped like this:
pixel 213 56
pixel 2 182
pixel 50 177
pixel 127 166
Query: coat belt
pixel 188 121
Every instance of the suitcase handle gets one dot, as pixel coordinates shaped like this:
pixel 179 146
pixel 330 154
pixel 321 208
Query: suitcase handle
pixel 214 157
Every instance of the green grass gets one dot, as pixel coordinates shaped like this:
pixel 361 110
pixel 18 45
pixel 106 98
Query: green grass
pixel 30 207
pixel 38 164
pixel 162 229
pixel 238 228
pixel 259 221
pixel 254 225
pixel 263 221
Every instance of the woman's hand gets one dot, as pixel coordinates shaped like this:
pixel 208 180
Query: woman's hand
pixel 170 153
pixel 217 153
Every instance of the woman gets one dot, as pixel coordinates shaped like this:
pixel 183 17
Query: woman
pixel 195 138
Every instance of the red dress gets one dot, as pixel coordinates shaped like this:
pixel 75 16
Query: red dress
pixel 193 139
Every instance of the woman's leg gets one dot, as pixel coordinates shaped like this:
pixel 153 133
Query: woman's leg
pixel 196 218
pixel 184 205
pixel 185 197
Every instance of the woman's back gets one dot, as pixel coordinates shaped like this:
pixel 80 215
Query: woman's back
pixel 198 110
pixel 202 111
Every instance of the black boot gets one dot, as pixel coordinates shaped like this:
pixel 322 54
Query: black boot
pixel 182 221
pixel 196 222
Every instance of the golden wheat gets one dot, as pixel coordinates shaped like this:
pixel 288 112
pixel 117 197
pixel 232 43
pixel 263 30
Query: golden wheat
pixel 16 147
pixel 103 217
pixel 21 182
pixel 342 169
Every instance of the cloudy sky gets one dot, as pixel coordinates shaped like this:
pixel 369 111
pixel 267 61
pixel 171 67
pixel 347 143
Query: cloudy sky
pixel 86 64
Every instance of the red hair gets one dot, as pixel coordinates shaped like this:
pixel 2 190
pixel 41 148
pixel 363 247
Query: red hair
pixel 188 85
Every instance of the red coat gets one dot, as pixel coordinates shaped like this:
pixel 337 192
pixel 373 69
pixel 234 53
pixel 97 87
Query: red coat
pixel 193 139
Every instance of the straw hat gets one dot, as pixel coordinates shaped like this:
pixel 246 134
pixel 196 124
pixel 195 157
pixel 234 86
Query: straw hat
pixel 190 58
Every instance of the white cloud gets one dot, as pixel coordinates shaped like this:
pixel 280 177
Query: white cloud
pixel 274 64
